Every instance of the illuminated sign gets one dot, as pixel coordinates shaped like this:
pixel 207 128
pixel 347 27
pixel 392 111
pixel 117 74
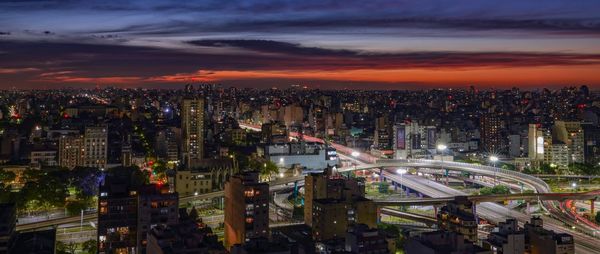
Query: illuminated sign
pixel 540 145
pixel 401 138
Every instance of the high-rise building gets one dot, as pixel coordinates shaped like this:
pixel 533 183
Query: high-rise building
pixel 192 124
pixel 127 210
pixel 490 128
pixel 333 203
pixel 413 140
pixel 87 150
pixel 383 138
pixel 71 151
pixel 246 209
pixel 537 142
pixel 95 145
pixel 591 140
pixel 117 214
pixel 571 134
pixel 156 206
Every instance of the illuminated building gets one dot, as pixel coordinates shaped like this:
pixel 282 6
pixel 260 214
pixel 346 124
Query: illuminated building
pixel 71 151
pixel 310 155
pixel 332 203
pixel 88 150
pixel 127 210
pixel 95 140
pixel 459 216
pixel 571 134
pixel 246 209
pixel 192 125
pixel 413 140
pixel 490 126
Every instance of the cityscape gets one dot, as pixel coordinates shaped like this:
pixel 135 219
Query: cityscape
pixel 208 127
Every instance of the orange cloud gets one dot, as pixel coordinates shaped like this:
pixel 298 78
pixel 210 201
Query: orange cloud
pixel 491 76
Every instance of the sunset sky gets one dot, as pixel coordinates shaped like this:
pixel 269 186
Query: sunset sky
pixel 324 44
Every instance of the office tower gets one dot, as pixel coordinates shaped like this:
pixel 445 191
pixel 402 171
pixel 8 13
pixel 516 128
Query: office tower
pixel 459 216
pixel 490 128
pixel 8 220
pixel 71 151
pixel 95 145
pixel 246 209
pixel 192 124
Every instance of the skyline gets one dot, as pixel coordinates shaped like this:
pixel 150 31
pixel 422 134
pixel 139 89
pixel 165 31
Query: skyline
pixel 321 44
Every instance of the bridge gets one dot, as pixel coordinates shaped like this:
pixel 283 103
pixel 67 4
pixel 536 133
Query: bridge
pixel 274 185
pixel 488 198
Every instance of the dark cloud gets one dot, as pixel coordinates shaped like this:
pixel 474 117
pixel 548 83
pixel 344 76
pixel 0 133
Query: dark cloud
pixel 45 61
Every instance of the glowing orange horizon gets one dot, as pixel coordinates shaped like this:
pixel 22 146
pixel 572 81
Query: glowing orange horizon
pixel 539 75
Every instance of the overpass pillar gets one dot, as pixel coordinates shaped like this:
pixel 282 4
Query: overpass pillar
pixel 527 209
pixel 592 207
pixel 447 173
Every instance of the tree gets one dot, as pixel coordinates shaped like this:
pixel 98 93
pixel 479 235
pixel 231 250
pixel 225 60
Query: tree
pixel 90 246
pixel 7 176
pixel 65 248
pixel 597 217
pixel 496 190
pixel 269 168
pixel 383 187
pixel 194 214
pixel 547 169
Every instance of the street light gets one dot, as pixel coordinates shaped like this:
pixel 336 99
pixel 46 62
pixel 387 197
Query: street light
pixel 401 172
pixel 355 154
pixel 574 185
pixel 442 148
pixel 494 159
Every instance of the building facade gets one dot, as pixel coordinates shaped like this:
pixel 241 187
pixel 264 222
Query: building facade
pixel 192 124
pixel 246 209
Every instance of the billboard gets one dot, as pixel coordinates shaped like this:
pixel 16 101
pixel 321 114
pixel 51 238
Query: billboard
pixel 401 137
pixel 540 145
pixel 431 138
